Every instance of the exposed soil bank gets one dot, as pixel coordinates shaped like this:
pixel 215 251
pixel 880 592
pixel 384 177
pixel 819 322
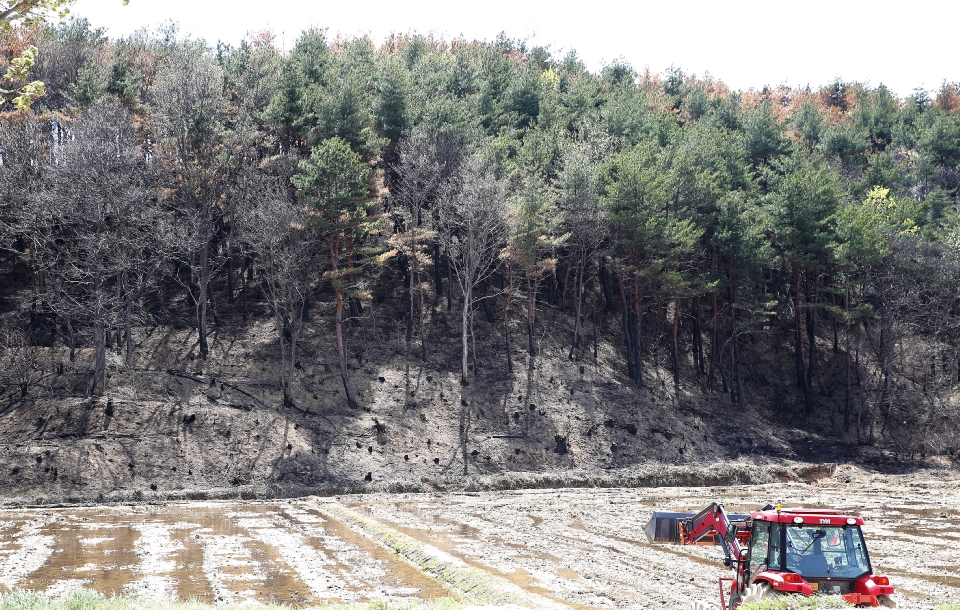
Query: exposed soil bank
pixel 650 475
pixel 174 427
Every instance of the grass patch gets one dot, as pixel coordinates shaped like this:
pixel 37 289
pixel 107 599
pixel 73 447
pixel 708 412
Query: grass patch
pixel 798 602
pixel 91 600
pixel 950 606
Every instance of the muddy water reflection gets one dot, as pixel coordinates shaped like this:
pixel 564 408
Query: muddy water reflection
pixel 232 552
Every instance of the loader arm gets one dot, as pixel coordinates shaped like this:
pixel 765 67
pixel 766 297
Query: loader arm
pixel 712 520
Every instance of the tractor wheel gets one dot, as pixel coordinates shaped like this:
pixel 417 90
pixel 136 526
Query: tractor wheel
pixel 887 601
pixel 757 592
pixel 698 605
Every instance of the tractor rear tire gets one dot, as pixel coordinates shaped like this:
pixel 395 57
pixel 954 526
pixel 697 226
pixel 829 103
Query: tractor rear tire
pixel 887 601
pixel 698 605
pixel 758 592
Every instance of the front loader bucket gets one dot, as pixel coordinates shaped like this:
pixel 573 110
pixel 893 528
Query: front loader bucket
pixel 662 527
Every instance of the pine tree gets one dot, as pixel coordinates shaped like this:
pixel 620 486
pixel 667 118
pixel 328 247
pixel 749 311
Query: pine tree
pixel 333 184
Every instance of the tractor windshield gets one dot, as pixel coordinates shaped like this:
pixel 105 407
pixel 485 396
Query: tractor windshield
pixel 826 551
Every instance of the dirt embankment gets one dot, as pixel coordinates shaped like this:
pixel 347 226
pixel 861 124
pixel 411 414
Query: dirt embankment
pixel 172 426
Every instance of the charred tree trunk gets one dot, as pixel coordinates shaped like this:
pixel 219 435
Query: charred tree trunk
pixel 604 288
pixel 283 329
pixel 506 315
pixel 697 337
pixel 437 277
pixel 593 311
pixel 485 304
pixel 531 317
pixel 99 384
pixel 244 273
pixel 578 302
pixel 341 349
pixel 846 310
pixel 676 344
pixel 449 283
pixel 713 342
pixel 203 282
pixel 802 381
pixel 423 330
pixel 637 326
pixel 230 297
pixel 356 310
pixel 465 331
pixel 213 309
pixel 626 327
pixel 736 387
pixel 128 322
pixel 73 337
pixel 811 331
pixel 408 279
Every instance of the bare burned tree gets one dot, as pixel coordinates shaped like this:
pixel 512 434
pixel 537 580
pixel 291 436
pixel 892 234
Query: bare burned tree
pixel 19 360
pixel 24 159
pixel 98 232
pixel 472 227
pixel 284 243
pixel 189 101
pixel 419 176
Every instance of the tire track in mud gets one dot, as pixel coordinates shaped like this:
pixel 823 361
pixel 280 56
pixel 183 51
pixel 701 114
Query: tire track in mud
pixel 592 569
pixel 477 584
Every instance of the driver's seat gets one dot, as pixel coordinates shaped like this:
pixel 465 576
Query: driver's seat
pixel 813 564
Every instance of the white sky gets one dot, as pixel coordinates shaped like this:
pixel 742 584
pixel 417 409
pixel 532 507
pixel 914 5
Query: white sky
pixel 745 43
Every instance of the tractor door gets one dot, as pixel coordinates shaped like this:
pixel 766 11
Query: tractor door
pixel 759 550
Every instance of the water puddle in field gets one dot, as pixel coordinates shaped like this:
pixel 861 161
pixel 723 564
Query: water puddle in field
pixel 211 552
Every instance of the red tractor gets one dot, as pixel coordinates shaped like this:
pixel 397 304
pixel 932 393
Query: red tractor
pixel 776 551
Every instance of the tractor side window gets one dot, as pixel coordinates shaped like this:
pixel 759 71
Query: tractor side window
pixel 773 558
pixel 759 545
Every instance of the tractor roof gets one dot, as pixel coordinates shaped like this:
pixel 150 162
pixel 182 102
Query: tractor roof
pixel 808 516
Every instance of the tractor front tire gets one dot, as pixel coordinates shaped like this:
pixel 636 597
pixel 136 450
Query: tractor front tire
pixel 698 605
pixel 887 601
pixel 758 592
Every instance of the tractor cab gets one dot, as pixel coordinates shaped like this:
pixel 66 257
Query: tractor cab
pixel 775 551
pixel 811 551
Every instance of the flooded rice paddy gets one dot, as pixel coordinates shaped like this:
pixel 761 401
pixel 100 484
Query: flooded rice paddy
pixel 580 548
pixel 213 552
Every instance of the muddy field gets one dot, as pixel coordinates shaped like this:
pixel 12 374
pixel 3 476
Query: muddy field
pixel 582 548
